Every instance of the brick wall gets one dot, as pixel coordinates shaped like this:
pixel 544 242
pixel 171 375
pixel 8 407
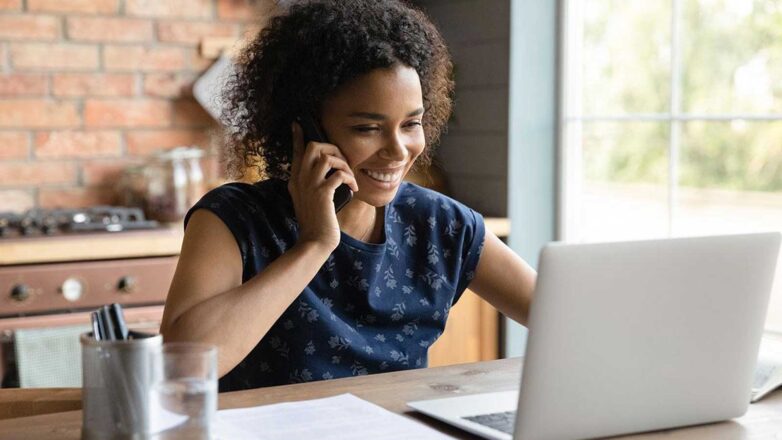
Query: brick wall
pixel 88 87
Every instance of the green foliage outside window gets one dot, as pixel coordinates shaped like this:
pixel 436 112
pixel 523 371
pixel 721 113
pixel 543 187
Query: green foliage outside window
pixel 731 62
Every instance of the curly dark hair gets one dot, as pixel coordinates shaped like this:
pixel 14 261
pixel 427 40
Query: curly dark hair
pixel 307 52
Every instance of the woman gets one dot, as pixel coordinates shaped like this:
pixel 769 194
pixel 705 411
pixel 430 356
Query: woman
pixel 288 289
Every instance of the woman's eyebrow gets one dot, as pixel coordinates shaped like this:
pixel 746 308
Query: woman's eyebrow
pixel 381 117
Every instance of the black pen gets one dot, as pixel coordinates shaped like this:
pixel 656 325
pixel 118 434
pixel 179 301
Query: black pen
pixel 107 323
pixel 120 328
pixel 102 332
pixel 96 333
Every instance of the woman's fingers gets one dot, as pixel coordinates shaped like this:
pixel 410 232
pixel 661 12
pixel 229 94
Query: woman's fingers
pixel 313 160
pixel 314 150
pixel 338 178
pixel 331 150
pixel 328 163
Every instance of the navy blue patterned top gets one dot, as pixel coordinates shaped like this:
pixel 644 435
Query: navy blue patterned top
pixel 371 307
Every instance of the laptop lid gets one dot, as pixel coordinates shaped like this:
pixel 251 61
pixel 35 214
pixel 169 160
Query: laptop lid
pixel 636 336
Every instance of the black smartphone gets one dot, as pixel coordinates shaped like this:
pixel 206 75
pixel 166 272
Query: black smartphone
pixel 313 132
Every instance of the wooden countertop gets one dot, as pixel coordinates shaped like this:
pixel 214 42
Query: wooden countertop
pixel 91 246
pixel 391 391
pixel 130 244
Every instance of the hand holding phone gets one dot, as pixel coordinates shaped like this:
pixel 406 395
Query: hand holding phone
pixel 311 189
pixel 313 133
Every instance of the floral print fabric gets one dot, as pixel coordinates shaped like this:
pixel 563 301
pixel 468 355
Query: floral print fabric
pixel 371 307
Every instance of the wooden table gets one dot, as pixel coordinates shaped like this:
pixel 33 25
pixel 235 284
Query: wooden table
pixel 392 390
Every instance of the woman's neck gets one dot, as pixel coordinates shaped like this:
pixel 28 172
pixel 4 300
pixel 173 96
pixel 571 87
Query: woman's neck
pixel 362 221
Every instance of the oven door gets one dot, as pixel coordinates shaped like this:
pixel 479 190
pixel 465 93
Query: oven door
pixel 44 307
pixel 43 351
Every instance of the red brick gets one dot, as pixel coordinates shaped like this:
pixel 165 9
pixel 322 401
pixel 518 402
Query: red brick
pixel 100 29
pixel 38 113
pixel 88 84
pixel 145 142
pixel 10 5
pixel 169 85
pixel 29 27
pixel 105 172
pixel 144 59
pixel 128 113
pixel 189 113
pixel 189 32
pixel 237 10
pixel 37 173
pixel 70 144
pixel 14 145
pixel 75 197
pixel 197 62
pixel 74 6
pixel 54 56
pixel 17 84
pixel 17 200
pixel 169 8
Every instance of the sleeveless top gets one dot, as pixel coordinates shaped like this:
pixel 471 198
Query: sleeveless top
pixel 371 307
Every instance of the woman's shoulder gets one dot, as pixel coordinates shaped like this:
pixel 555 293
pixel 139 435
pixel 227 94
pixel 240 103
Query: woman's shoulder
pixel 247 192
pixel 416 201
pixel 429 214
pixel 239 199
pixel 444 236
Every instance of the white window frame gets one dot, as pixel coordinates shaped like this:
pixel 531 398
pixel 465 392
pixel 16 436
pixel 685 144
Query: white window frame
pixel 570 124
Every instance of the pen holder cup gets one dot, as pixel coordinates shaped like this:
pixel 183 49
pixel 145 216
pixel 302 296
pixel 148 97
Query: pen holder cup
pixel 116 382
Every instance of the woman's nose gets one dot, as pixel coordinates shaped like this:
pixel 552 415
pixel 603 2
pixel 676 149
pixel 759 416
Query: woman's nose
pixel 394 149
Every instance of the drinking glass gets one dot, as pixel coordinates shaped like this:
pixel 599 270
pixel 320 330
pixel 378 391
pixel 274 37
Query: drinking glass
pixel 184 391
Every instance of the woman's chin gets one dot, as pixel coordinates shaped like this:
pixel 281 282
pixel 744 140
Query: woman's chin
pixel 376 198
pixel 375 192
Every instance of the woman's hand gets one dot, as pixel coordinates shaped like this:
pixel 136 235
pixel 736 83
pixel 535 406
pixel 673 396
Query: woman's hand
pixel 313 193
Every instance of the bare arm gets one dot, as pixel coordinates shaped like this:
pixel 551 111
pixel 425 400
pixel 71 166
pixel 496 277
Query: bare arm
pixel 207 301
pixel 504 279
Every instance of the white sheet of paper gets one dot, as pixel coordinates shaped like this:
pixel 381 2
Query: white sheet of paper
pixel 343 417
pixel 768 371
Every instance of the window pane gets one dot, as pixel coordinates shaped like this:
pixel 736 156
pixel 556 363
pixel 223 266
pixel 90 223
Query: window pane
pixel 625 58
pixel 732 156
pixel 732 56
pixel 623 193
pixel 731 182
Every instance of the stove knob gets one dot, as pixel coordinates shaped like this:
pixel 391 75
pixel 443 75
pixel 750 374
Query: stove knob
pixel 49 229
pixel 127 284
pixel 72 289
pixel 20 292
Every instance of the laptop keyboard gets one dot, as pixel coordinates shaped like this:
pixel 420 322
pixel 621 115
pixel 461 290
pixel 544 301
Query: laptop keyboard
pixel 501 421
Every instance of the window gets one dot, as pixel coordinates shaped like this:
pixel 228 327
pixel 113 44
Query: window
pixel 672 121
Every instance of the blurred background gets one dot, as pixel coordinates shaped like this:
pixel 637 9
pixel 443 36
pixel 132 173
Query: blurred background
pixel 574 120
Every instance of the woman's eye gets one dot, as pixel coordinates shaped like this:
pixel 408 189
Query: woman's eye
pixel 414 123
pixel 365 129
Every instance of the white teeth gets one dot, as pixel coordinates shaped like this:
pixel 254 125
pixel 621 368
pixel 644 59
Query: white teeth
pixel 383 177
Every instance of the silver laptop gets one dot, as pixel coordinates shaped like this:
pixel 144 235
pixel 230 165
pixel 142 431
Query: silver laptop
pixel 631 337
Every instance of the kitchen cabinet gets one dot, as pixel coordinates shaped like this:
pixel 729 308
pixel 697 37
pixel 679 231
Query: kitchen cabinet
pixel 471 333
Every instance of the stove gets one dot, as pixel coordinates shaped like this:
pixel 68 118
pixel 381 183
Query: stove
pixel 57 265
pixel 38 222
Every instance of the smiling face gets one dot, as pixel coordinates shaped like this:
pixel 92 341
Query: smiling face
pixel 375 120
